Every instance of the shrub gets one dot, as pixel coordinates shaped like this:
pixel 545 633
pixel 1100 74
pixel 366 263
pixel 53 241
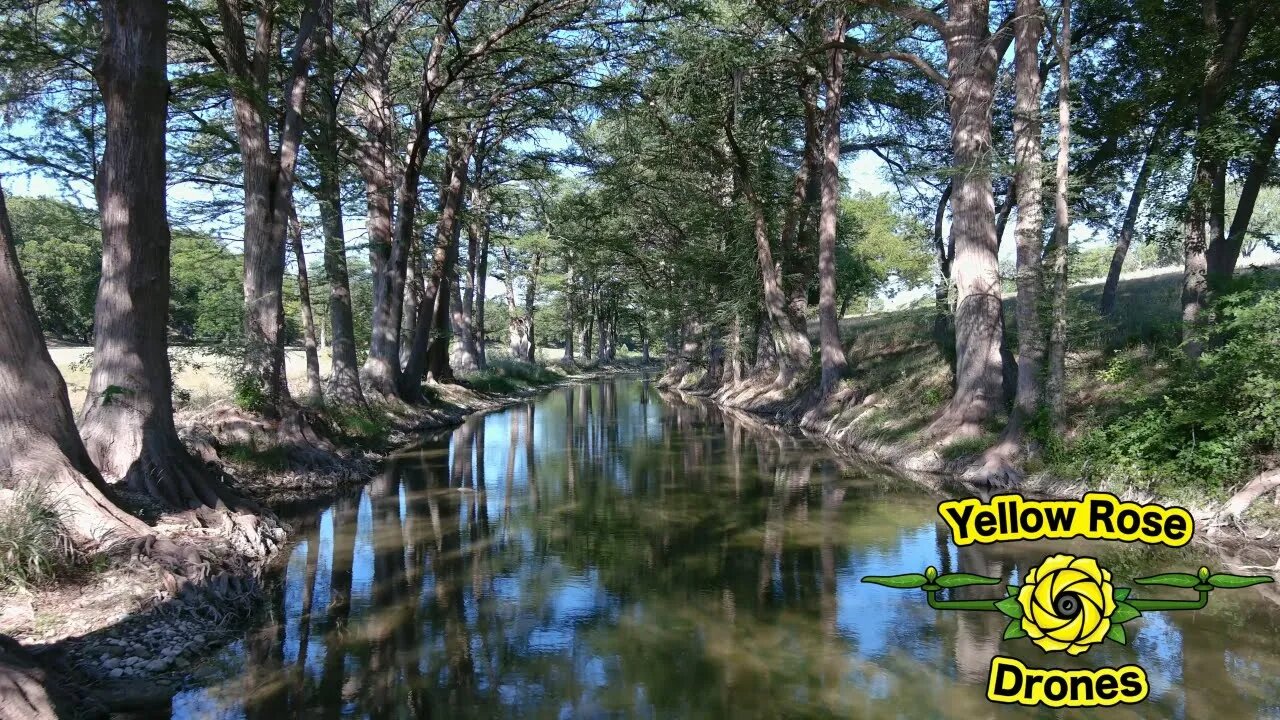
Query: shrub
pixel 505 375
pixel 34 545
pixel 1218 415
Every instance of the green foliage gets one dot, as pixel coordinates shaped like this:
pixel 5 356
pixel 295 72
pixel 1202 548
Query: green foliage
pixel 34 546
pixel 207 297
pixel 364 427
pixel 1217 416
pixel 880 250
pixel 60 250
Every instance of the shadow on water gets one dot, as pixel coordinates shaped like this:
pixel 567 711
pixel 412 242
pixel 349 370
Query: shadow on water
pixel 608 550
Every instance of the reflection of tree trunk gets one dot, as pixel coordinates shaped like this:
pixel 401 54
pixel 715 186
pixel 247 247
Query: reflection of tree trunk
pixel 333 675
pixel 530 467
pixel 265 694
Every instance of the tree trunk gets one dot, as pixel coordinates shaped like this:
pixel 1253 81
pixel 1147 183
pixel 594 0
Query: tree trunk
pixel 1107 305
pixel 1218 68
pixel 834 364
pixel 431 354
pixel 36 426
pixel 972 59
pixel 1223 257
pixel 766 359
pixel 390 244
pixel 530 307
pixel 944 331
pixel 570 313
pixel 1056 383
pixel 315 396
pixel 127 420
pixel 482 277
pixel 268 192
pixel 1028 29
pixel 344 377
pixel 789 329
pixel 466 354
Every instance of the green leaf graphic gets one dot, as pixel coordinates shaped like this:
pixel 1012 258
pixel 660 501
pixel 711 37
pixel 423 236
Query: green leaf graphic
pixel 1116 633
pixel 1122 594
pixel 955 580
pixel 1124 613
pixel 1182 580
pixel 1010 606
pixel 1237 581
pixel 1012 590
pixel 1014 630
pixel 910 580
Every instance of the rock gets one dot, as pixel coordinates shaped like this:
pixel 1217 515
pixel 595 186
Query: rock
pixel 181 663
pixel 158 665
pixel 111 663
pixel 117 673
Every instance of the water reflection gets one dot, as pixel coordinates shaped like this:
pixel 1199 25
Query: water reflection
pixel 607 550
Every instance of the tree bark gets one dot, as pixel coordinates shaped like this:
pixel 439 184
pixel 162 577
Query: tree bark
pixel 268 189
pixel 314 396
pixel 1107 305
pixel 432 332
pixel 1222 60
pixel 1028 29
pixel 944 331
pixel 834 364
pixel 344 377
pixel 482 279
pixel 570 313
pixel 127 421
pixel 530 297
pixel 1224 256
pixel 1056 383
pixel 37 431
pixel 972 58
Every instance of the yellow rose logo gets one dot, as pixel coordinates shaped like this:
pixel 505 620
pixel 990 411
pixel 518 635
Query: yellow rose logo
pixel 1067 603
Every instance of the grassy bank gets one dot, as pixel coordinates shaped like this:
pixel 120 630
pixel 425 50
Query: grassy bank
pixel 1142 421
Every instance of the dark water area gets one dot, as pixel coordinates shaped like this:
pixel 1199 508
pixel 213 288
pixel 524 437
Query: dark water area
pixel 607 550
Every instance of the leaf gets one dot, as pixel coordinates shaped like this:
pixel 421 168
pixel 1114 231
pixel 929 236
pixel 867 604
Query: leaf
pixel 1012 590
pixel 1122 594
pixel 1116 633
pixel 1011 607
pixel 1182 580
pixel 955 580
pixel 902 582
pixel 1014 630
pixel 1237 581
pixel 1124 613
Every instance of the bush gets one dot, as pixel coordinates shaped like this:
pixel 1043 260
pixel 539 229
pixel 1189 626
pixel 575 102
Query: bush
pixel 1217 417
pixel 34 545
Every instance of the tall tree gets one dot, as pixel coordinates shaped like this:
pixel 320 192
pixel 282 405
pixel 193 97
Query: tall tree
pixel 37 428
pixel 1028 28
pixel 268 180
pixel 314 395
pixel 1228 36
pixel 127 420
pixel 834 364
pixel 1056 383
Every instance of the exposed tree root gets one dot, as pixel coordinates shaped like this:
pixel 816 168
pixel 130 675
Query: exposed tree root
pixel 1233 511
pixel 29 691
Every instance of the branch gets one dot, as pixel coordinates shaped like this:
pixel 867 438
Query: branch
pixel 913 13
pixel 863 53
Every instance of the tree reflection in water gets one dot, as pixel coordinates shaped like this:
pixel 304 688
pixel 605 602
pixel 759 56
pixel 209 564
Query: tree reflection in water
pixel 606 550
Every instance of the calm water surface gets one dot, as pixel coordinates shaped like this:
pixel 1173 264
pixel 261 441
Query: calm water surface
pixel 610 551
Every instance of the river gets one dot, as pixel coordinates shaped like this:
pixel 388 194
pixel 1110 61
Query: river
pixel 608 550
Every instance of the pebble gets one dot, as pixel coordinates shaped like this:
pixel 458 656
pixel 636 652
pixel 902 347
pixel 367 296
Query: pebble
pixel 117 673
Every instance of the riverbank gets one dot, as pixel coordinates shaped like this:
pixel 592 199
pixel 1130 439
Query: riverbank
pixel 123 628
pixel 1142 423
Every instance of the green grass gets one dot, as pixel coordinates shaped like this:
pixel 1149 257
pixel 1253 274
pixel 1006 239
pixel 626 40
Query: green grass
pixel 274 458
pixel 506 376
pixel 34 546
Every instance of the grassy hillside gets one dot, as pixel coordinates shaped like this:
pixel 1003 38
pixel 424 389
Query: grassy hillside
pixel 1139 416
